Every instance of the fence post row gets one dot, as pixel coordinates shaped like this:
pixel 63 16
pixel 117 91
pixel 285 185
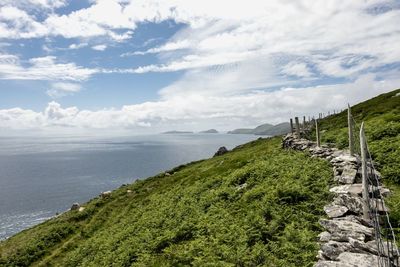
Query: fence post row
pixel 318 134
pixel 364 173
pixel 297 126
pixel 291 126
pixel 350 126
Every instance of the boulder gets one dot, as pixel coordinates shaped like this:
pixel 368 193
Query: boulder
pixel 75 206
pixel 105 194
pixel 222 150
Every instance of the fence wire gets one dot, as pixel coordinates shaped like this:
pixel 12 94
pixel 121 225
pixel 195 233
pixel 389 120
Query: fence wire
pixel 387 250
pixel 386 245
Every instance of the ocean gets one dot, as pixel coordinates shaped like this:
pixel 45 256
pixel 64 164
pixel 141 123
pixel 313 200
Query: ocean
pixel 42 176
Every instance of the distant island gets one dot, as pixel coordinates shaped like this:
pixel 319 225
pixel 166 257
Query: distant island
pixel 265 129
pixel 210 131
pixel 177 132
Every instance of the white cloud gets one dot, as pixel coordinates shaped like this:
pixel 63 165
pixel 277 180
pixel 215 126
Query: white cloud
pixel 297 69
pixel 77 46
pixel 34 4
pixel 60 89
pixel 43 68
pixel 196 111
pixel 99 47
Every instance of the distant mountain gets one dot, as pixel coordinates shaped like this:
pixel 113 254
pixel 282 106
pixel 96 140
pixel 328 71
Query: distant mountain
pixel 177 132
pixel 260 130
pixel 265 129
pixel 209 131
pixel 241 131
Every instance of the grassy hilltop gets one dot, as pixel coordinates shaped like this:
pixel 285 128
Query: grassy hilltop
pixel 258 205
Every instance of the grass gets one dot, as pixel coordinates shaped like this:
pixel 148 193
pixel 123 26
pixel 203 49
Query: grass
pixel 258 205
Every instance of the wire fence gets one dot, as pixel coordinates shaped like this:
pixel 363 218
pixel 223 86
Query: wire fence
pixel 378 214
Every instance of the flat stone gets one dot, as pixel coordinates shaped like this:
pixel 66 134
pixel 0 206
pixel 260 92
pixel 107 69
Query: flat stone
pixel 358 259
pixel 345 236
pixel 334 211
pixel 352 189
pixel 348 175
pixel 353 203
pixel 324 263
pixel 344 158
pixel 378 205
pixel 345 227
pixel 333 249
pixel 324 236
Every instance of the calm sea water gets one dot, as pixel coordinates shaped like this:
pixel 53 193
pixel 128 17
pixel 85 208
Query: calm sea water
pixel 42 176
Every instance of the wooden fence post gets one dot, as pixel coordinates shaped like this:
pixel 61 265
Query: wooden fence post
pixel 350 126
pixel 291 126
pixel 296 119
pixel 364 174
pixel 318 134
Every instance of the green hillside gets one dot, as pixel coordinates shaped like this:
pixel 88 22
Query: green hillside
pixel 257 205
pixel 382 127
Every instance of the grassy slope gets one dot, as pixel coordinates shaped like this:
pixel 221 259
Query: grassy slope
pixel 197 216
pixel 382 125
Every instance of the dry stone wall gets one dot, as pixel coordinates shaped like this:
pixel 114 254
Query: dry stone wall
pixel 348 240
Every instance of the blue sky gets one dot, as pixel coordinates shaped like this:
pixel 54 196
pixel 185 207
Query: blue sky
pixel 152 65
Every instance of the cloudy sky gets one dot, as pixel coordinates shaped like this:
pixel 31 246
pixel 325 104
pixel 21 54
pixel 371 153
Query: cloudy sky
pixel 153 65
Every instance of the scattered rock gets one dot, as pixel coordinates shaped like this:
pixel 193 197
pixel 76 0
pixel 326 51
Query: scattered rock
pixel 242 186
pixel 128 191
pixel 75 206
pixel 222 150
pixel 105 194
pixel 81 209
pixel 167 174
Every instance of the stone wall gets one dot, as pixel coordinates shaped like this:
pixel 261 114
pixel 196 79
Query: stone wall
pixel 348 240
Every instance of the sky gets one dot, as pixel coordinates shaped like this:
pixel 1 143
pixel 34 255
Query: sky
pixel 145 66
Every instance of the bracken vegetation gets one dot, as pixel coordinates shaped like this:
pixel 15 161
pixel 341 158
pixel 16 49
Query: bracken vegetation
pixel 257 205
